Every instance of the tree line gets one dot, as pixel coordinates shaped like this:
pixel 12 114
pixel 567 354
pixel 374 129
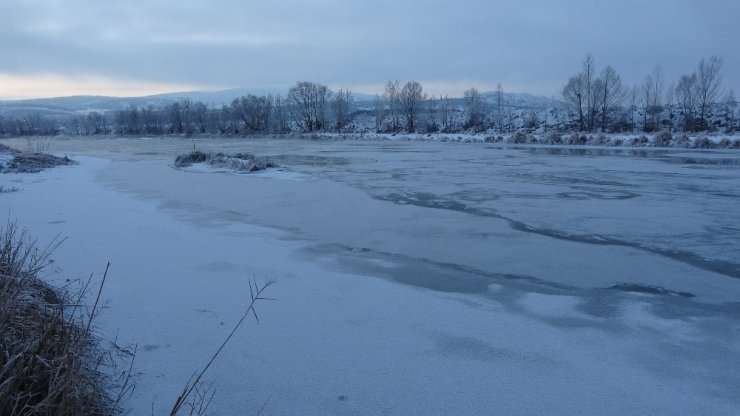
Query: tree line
pixel 590 102
pixel 601 102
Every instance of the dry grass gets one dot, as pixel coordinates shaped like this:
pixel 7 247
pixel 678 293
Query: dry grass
pixel 24 162
pixel 239 162
pixel 49 360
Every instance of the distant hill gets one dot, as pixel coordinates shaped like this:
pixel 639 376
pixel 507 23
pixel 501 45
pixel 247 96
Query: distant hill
pixel 84 104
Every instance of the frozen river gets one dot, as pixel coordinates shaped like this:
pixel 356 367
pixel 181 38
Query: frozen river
pixel 455 216
pixel 596 280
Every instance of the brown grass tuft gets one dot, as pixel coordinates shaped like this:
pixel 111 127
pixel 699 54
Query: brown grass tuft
pixel 49 359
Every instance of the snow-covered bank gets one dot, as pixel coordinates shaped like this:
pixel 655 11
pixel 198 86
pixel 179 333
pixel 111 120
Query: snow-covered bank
pixel 379 310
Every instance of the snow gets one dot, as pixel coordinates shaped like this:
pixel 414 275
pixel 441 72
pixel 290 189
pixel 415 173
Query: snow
pixel 392 298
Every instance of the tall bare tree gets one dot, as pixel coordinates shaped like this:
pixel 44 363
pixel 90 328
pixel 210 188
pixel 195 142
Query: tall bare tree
pixel 174 116
pixel 652 92
pixel 280 115
pixel 411 98
pixel 95 123
pixel 445 114
pixel 341 104
pixel 611 93
pixel 378 112
pixel 730 107
pixel 474 109
pixel 708 80
pixel 253 112
pixel 187 115
pixel 591 91
pixel 632 96
pixel 499 106
pixel 670 104
pixel 686 97
pixel 200 111
pixel 392 94
pixel 308 105
pixel 574 94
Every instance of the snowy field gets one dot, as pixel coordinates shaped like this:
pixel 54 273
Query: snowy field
pixel 412 277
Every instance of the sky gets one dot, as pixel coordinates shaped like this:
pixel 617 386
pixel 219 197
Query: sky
pixel 134 47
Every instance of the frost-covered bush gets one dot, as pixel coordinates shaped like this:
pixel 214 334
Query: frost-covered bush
pixel 519 137
pixel 490 139
pixel 725 143
pixel 736 144
pixel 240 162
pixel 600 140
pixel 639 141
pixel 578 140
pixel 681 141
pixel 51 361
pixel 552 137
pixel 188 159
pixel 662 139
pixel 703 142
pixel 617 142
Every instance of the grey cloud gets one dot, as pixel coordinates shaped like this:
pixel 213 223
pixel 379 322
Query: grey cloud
pixel 535 44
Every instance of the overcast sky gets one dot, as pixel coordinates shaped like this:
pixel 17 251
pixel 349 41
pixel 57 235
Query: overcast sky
pixel 134 47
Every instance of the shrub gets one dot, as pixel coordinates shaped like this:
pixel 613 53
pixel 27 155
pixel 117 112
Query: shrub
pixel 681 141
pixel 601 140
pixel 49 360
pixel 195 156
pixel 240 162
pixel 725 143
pixel 703 142
pixel 519 137
pixel 662 139
pixel 552 137
pixel 639 141
pixel 577 140
pixel 24 162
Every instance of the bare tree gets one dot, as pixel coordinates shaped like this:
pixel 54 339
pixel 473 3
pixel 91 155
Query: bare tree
pixel 611 93
pixel 253 112
pixel 499 106
pixel 633 94
pixel 730 106
pixel 392 94
pixel 430 115
pixel 652 91
pixel 95 123
pixel 708 80
pixel 686 97
pixel 445 114
pixel 308 105
pixel 128 121
pixel 174 114
pixel 188 112
pixel 474 109
pixel 150 120
pixel 280 115
pixel 411 98
pixel 200 111
pixel 341 105
pixel 670 104
pixel 378 112
pixel 574 94
pixel 591 91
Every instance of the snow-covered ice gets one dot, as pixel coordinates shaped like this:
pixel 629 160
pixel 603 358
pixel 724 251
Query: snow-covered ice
pixel 413 278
